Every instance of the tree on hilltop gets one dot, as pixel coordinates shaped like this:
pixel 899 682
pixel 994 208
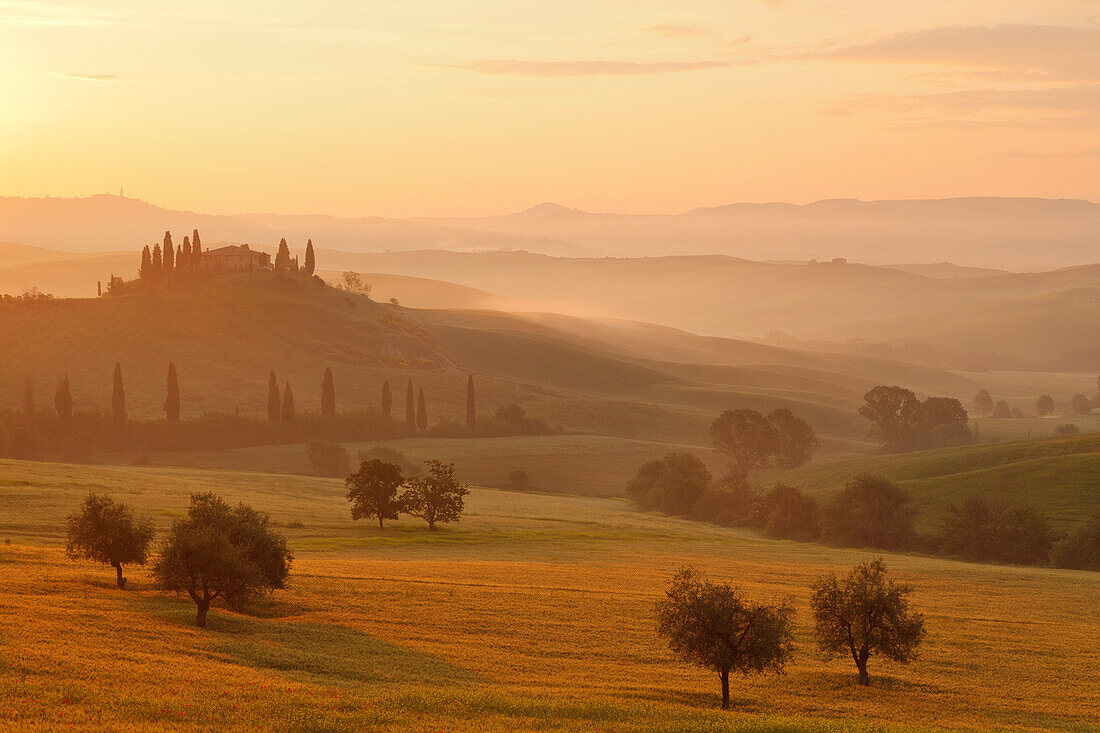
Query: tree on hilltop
pixel 106 531
pixel 372 491
pixel 714 626
pixel 158 262
pixel 172 399
pixel 196 250
pixel 437 497
pixel 169 253
pixel 410 406
pixel 328 394
pixel 311 261
pixel 145 272
pixel 274 406
pixel 282 257
pixel 864 614
pixel 223 552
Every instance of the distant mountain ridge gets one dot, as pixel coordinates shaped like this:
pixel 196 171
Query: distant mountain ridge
pixel 990 232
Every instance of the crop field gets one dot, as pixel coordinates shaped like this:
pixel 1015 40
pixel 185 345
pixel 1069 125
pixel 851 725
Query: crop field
pixel 532 613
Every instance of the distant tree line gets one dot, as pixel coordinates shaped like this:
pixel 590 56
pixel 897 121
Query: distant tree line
pixel 1079 404
pixel 30 432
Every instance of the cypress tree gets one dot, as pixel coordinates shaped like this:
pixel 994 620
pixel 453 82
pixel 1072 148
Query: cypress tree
pixel 387 399
pixel 273 406
pixel 471 417
pixel 169 252
pixel 196 250
pixel 118 398
pixel 282 257
pixel 328 395
pixel 184 262
pixel 421 412
pixel 181 260
pixel 146 269
pixel 288 404
pixel 410 406
pixel 172 401
pixel 311 261
pixel 63 400
pixel 158 263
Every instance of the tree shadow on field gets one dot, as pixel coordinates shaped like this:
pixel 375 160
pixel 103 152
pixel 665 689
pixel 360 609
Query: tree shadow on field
pixel 306 651
pixel 699 700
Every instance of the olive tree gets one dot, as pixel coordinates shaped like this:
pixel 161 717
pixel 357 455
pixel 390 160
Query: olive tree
pixel 372 491
pixel 437 497
pixel 106 531
pixel 224 552
pixel 715 626
pixel 866 613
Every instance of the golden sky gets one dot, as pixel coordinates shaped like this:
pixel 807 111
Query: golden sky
pixel 461 107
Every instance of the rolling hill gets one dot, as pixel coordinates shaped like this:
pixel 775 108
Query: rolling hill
pixel 1060 474
pixel 225 335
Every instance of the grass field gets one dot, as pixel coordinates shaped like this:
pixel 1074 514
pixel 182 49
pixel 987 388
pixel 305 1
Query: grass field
pixel 1060 475
pixel 532 613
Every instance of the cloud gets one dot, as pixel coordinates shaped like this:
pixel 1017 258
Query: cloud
pixel 586 68
pixel 672 30
pixel 95 77
pixel 1065 154
pixel 1062 52
pixel 1082 99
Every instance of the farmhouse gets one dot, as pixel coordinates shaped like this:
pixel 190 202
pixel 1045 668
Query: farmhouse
pixel 234 258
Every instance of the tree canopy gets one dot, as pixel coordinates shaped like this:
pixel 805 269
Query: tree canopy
pixel 746 437
pixel 224 552
pixel 866 613
pixel 372 491
pixel 106 531
pixel 715 626
pixel 437 497
pixel 869 512
pixel 672 484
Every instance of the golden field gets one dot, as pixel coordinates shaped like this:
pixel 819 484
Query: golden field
pixel 533 612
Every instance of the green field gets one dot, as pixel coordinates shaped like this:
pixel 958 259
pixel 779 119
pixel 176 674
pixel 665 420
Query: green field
pixel 1060 475
pixel 532 613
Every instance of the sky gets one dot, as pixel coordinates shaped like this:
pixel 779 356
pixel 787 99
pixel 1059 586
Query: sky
pixel 468 108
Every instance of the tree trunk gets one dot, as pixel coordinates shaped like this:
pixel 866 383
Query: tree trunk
pixel 725 689
pixel 200 618
pixel 380 522
pixel 121 581
pixel 861 663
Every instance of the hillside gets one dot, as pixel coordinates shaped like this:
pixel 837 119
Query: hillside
pixel 730 297
pixel 1060 475
pixel 532 613
pixel 226 335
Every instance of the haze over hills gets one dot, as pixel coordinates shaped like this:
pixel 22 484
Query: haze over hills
pixel 1005 233
pixel 601 379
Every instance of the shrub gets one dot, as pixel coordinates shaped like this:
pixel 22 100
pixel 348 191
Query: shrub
pixel 390 455
pixel 1067 429
pixel 726 507
pixel 519 480
pixel 327 458
pixel 1081 549
pixel 985 531
pixel 869 512
pixel 787 513
pixel 672 484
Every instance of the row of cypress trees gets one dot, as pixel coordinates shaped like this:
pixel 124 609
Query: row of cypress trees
pixel 160 261
pixel 283 262
pixel 279 406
